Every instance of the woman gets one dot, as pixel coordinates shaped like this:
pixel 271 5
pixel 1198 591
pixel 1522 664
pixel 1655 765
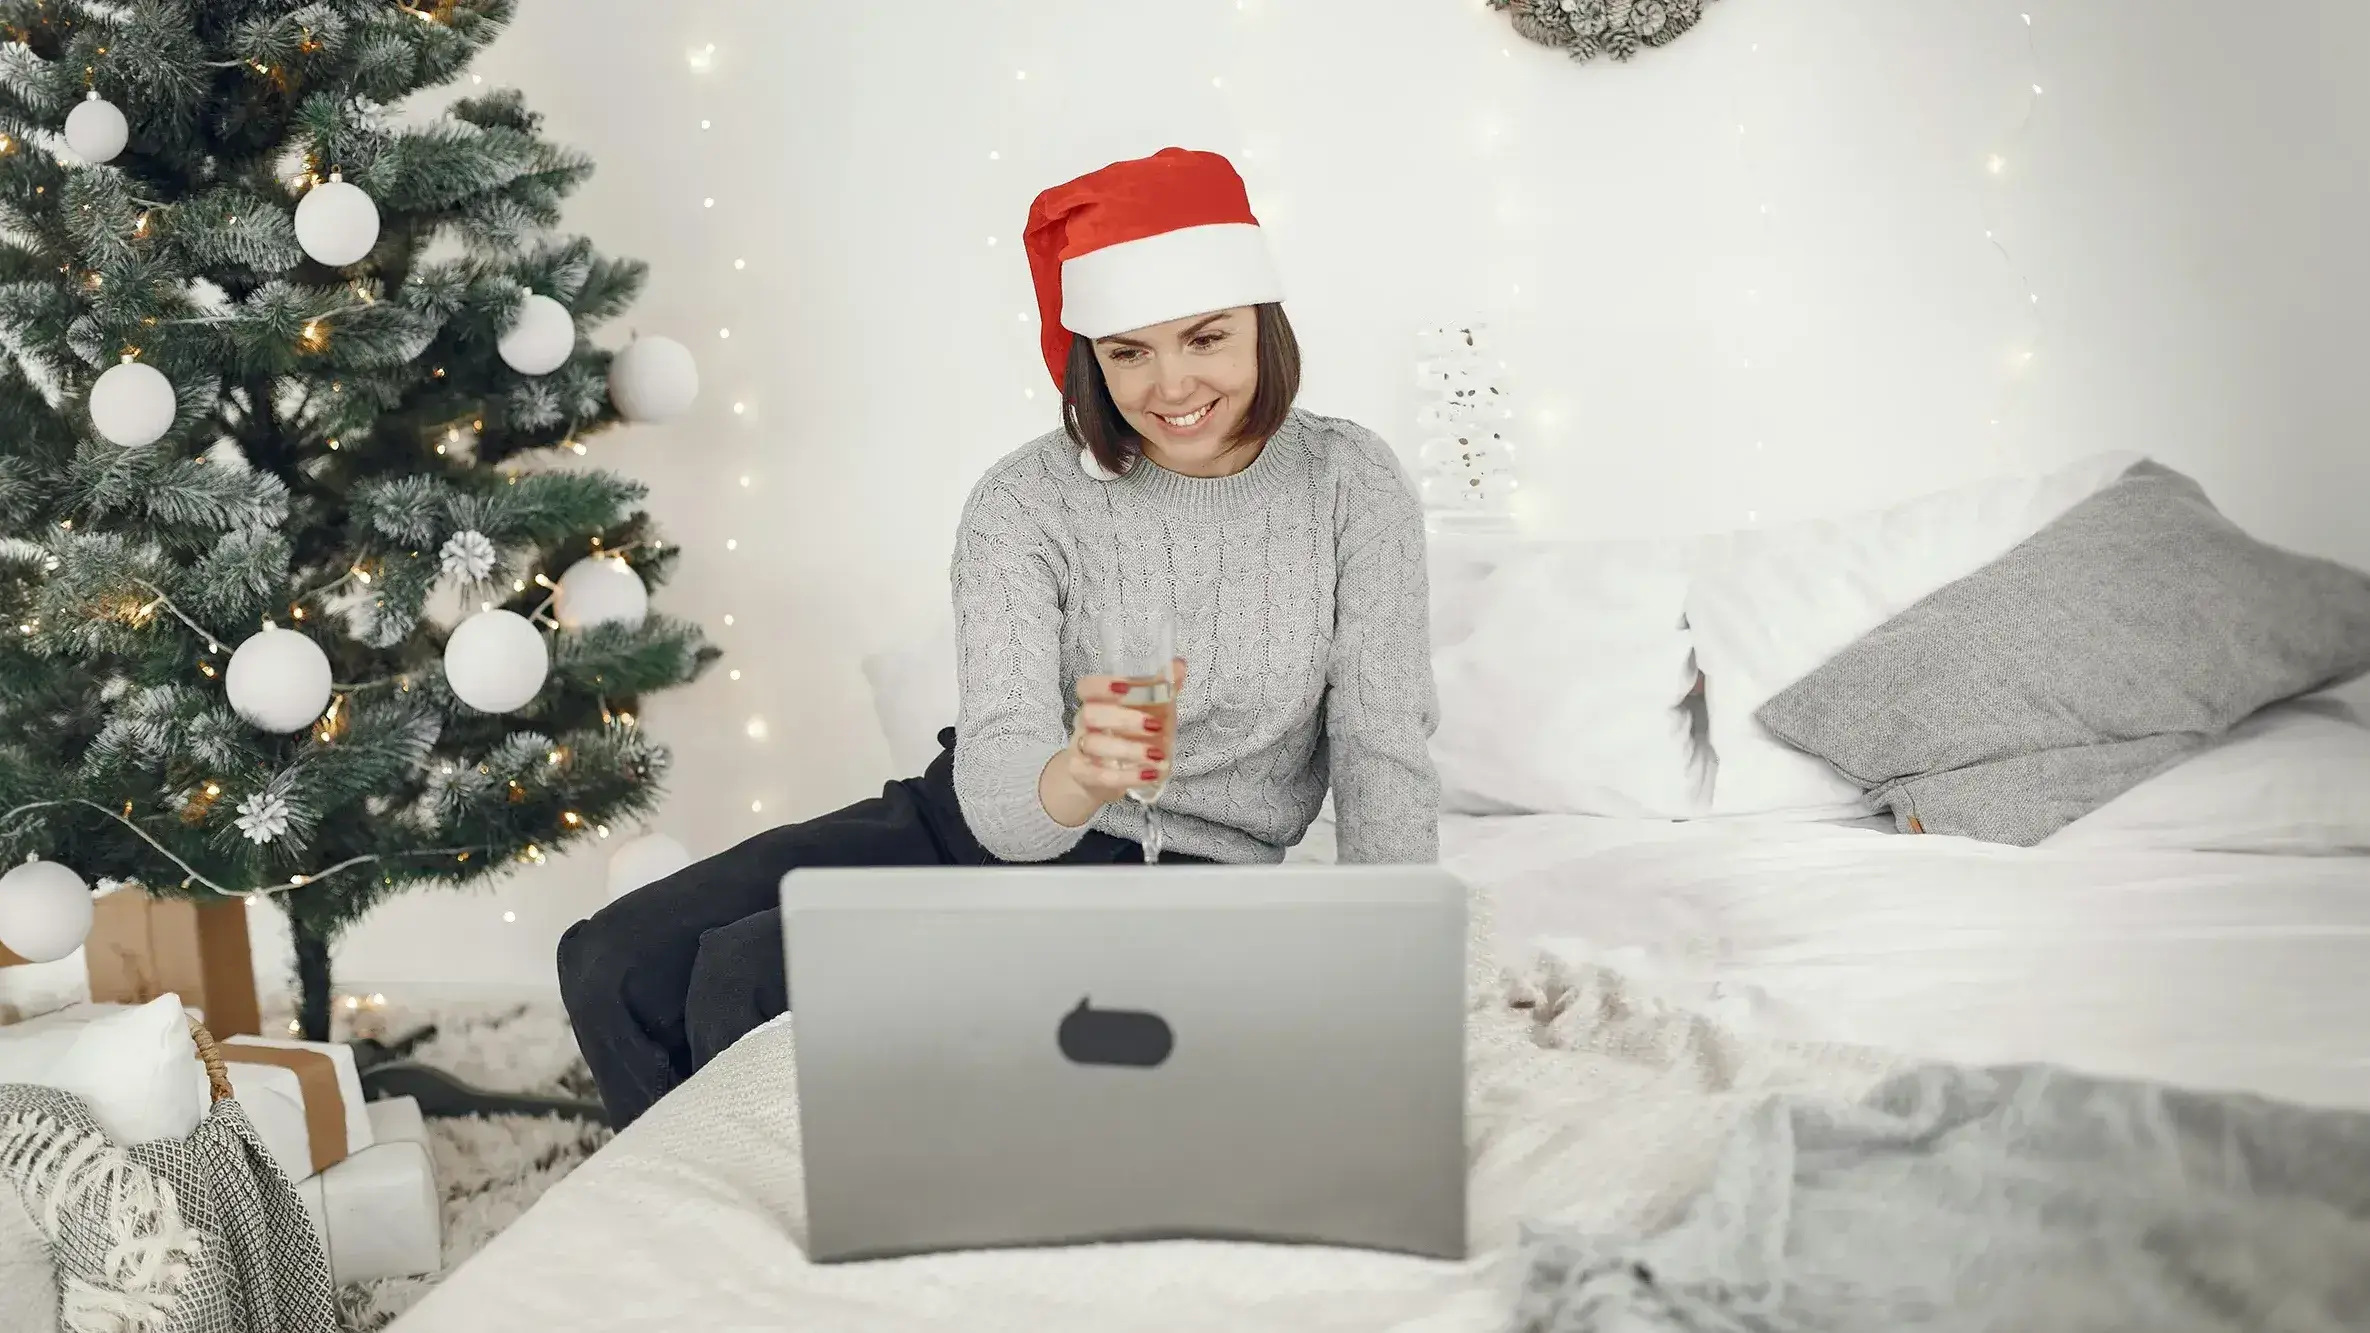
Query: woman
pixel 1288 544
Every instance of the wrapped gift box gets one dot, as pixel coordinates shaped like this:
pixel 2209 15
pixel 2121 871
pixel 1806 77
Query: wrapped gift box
pixel 142 947
pixel 378 1212
pixel 305 1099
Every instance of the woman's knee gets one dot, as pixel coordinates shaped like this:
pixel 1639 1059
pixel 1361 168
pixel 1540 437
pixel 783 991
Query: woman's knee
pixel 737 983
pixel 593 963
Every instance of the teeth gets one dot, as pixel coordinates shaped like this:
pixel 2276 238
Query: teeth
pixel 1190 419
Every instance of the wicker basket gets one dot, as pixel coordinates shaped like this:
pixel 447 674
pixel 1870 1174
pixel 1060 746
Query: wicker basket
pixel 210 1055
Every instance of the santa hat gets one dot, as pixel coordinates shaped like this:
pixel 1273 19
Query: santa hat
pixel 1143 242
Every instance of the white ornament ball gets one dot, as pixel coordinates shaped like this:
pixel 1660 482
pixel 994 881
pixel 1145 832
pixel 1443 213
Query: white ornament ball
pixel 540 338
pixel 601 590
pixel 96 129
pixel 132 404
pixel 45 911
pixel 278 681
pixel 496 661
pixel 337 223
pixel 653 379
pixel 644 860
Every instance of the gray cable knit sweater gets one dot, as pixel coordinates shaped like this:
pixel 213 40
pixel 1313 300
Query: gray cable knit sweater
pixel 1301 611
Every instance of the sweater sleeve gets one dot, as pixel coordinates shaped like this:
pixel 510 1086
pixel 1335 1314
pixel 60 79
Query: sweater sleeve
pixel 1013 714
pixel 1380 705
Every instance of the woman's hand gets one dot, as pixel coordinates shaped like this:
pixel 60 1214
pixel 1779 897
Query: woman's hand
pixel 1113 750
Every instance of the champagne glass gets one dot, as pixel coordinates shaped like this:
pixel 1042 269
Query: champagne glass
pixel 1139 647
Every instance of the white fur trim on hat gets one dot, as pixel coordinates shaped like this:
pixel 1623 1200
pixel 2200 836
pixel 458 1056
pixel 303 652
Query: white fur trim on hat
pixel 1154 279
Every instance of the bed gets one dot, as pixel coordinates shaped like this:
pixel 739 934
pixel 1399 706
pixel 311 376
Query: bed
pixel 2030 771
pixel 1643 982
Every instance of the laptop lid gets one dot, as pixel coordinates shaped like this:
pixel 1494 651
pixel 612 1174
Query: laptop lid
pixel 1041 1055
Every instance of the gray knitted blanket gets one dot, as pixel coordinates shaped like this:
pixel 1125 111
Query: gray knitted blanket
pixel 196 1235
pixel 1955 1200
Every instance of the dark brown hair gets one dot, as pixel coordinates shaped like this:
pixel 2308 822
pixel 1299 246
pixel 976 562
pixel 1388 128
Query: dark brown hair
pixel 1093 420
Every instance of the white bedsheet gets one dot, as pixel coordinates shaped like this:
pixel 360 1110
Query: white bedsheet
pixel 2212 970
pixel 1681 965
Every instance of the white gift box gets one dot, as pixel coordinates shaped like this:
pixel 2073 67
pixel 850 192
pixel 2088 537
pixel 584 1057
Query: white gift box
pixel 378 1212
pixel 308 1110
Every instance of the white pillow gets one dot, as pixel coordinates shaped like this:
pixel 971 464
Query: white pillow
pixel 2293 779
pixel 134 1066
pixel 914 694
pixel 1782 601
pixel 28 1280
pixel 1568 692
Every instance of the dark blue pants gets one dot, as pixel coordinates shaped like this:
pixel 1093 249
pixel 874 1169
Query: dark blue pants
pixel 661 980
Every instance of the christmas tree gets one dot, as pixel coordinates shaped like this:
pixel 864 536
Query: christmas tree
pixel 304 592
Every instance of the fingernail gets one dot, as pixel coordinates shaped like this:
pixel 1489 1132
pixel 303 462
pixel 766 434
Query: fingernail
pixel 1151 724
pixel 1156 755
pixel 1119 687
pixel 1151 773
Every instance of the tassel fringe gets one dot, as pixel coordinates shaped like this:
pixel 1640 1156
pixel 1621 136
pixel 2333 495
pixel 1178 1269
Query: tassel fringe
pixel 65 1174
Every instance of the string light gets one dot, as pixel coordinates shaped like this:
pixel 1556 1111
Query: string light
pixel 2021 355
pixel 1756 323
pixel 755 728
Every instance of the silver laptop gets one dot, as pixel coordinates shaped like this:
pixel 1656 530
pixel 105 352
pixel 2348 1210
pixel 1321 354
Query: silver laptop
pixel 1043 1055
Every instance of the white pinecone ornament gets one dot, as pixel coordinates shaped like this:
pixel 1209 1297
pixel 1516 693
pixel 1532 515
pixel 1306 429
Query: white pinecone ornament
pixel 468 556
pixel 263 817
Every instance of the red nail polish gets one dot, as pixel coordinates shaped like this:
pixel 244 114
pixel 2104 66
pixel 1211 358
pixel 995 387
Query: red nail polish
pixel 1151 724
pixel 1150 774
pixel 1119 687
pixel 1156 755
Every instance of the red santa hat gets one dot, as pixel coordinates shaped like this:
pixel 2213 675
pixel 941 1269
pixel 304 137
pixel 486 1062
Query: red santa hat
pixel 1143 242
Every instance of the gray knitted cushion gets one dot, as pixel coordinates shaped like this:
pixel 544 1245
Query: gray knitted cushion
pixel 2105 648
pixel 194 1235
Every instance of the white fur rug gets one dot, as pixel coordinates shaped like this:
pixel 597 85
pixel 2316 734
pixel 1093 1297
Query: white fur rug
pixel 490 1169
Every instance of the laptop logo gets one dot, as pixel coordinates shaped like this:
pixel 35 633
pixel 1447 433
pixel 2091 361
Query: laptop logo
pixel 1126 1037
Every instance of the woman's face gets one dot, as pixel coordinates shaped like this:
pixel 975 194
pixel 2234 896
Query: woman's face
pixel 1185 385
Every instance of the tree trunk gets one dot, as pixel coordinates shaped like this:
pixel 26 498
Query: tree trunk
pixel 312 979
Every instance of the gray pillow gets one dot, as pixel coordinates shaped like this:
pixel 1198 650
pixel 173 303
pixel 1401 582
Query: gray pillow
pixel 2103 649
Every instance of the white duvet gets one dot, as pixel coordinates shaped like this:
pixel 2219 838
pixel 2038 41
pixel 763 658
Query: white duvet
pixel 1675 974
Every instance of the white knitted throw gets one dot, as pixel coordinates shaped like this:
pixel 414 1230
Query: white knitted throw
pixel 1592 1104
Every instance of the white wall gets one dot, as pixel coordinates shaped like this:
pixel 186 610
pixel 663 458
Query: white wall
pixel 2188 201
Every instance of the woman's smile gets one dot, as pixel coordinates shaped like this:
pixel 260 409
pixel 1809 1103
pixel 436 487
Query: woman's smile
pixel 1187 424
